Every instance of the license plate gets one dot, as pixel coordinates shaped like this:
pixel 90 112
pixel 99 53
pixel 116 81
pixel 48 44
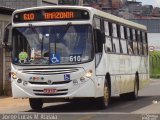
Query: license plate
pixel 49 91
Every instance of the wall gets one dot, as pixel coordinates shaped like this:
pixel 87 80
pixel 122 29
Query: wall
pixel 18 3
pixel 1 71
pixel 4 19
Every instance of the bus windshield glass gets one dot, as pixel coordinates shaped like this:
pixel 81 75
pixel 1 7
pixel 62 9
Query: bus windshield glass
pixel 68 44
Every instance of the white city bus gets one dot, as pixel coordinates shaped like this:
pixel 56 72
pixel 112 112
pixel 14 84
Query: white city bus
pixel 67 52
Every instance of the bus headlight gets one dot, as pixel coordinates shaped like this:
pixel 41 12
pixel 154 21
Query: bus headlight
pixel 89 73
pixel 14 75
pixel 19 81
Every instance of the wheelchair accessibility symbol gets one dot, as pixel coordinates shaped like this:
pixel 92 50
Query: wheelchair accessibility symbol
pixel 55 58
pixel 66 76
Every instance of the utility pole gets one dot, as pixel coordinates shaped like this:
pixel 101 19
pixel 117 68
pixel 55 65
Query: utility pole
pixel 110 4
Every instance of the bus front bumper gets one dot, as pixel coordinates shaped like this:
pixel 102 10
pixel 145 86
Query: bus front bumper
pixel 70 90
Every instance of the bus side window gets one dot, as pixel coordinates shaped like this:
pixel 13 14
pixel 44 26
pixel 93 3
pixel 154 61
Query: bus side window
pixel 97 23
pixel 130 41
pixel 114 27
pixel 135 47
pixel 116 44
pixel 144 43
pixel 139 42
pixel 97 35
pixel 108 43
pixel 123 40
pixel 146 39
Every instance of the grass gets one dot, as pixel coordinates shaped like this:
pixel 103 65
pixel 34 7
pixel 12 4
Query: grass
pixel 154 61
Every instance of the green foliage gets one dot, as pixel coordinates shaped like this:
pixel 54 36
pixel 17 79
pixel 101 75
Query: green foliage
pixel 154 61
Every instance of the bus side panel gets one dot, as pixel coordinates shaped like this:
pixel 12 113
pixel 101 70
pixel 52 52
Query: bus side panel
pixel 110 64
pixel 125 67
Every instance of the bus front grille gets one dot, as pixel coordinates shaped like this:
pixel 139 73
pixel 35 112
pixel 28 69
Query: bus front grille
pixel 53 83
pixel 49 71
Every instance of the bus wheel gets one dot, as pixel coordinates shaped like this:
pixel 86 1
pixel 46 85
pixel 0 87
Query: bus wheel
pixel 36 103
pixel 103 102
pixel 134 94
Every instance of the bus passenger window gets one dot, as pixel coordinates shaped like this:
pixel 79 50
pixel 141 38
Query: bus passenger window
pixel 135 48
pixel 108 40
pixel 143 37
pixel 97 23
pixel 114 27
pixel 108 45
pixel 124 46
pixel 139 42
pixel 122 40
pixel 116 45
pixel 106 28
pixel 122 32
pixel 144 43
pixel 130 41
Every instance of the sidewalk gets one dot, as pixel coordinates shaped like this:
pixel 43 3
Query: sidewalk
pixel 9 102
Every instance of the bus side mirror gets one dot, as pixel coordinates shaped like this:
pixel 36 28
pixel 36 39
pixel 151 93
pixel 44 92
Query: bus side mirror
pixel 7 37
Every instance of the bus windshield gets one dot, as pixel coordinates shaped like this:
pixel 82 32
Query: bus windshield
pixel 69 44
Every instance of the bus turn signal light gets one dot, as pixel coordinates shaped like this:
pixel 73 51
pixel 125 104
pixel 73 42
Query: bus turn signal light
pixel 14 75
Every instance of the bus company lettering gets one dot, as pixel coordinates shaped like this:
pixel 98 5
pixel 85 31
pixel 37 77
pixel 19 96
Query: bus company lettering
pixel 58 15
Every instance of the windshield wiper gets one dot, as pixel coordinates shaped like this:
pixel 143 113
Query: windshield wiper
pixel 66 29
pixel 68 26
pixel 61 35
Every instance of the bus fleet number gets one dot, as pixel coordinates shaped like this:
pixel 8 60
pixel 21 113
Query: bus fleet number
pixel 75 58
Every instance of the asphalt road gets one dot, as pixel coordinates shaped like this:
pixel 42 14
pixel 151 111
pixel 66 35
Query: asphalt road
pixel 148 103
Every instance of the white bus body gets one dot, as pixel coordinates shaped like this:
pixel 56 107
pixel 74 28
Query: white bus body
pixel 86 79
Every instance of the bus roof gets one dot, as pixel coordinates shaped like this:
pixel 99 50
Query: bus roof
pixel 118 19
pixel 93 11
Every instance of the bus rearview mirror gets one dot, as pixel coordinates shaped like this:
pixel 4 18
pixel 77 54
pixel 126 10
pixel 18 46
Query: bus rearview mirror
pixel 6 36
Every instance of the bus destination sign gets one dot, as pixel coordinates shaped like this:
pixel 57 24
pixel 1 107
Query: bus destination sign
pixel 51 14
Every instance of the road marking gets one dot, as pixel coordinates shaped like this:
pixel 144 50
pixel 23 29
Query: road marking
pixel 88 117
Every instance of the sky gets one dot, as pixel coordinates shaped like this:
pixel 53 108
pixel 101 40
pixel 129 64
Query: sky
pixel 155 3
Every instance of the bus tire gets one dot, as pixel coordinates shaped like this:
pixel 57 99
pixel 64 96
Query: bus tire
pixel 103 102
pixel 134 94
pixel 35 103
